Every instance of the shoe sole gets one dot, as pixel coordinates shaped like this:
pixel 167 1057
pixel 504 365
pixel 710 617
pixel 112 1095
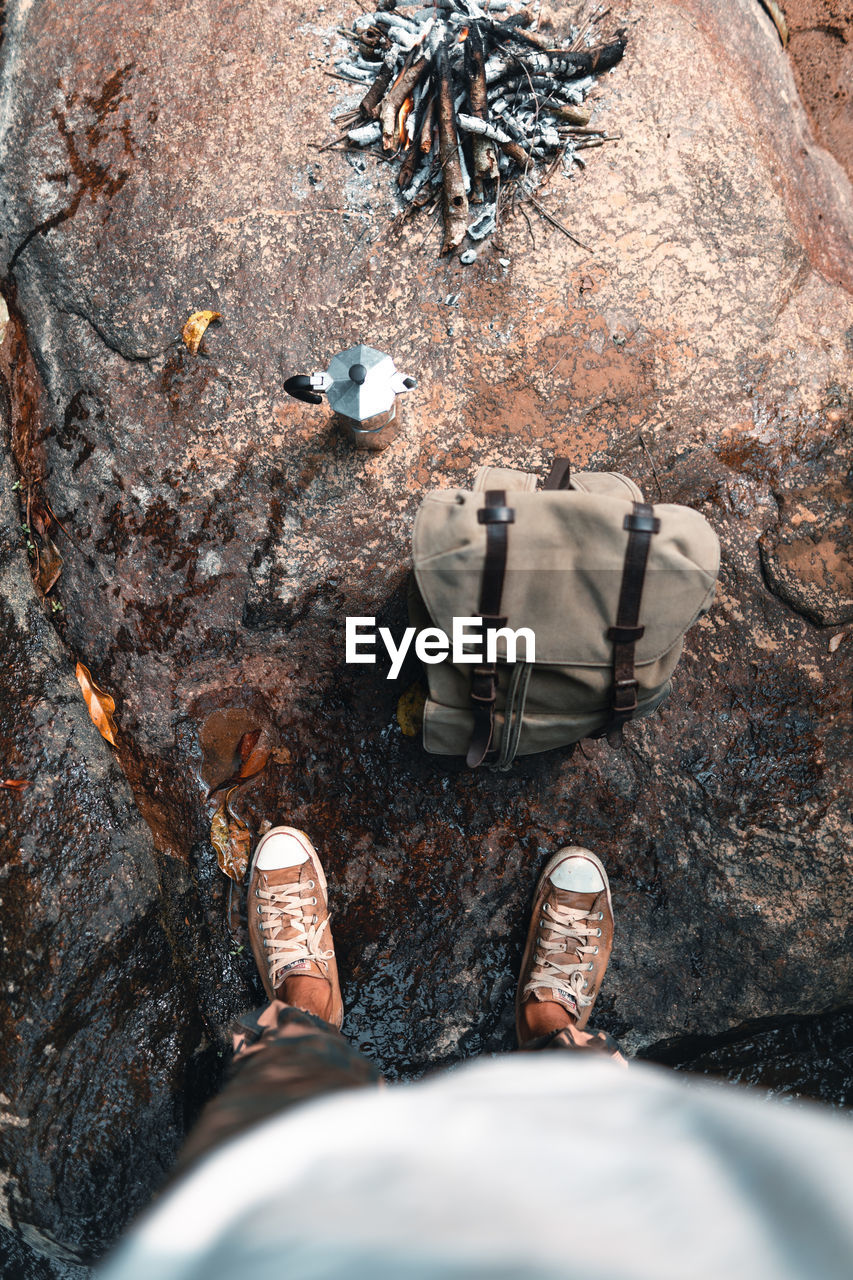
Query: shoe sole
pixel 553 862
pixel 314 857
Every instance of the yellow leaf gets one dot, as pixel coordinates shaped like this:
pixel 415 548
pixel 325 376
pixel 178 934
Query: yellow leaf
pixel 194 329
pixel 778 20
pixel 232 840
pixel 101 706
pixel 410 709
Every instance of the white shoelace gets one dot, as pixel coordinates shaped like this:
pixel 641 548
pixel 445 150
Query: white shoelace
pixel 568 929
pixel 282 906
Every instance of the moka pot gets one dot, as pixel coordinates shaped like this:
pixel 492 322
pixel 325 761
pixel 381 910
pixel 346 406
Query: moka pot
pixel 361 386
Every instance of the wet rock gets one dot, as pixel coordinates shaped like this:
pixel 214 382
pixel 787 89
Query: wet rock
pixel 98 1024
pixel 808 558
pixel 821 50
pixel 219 534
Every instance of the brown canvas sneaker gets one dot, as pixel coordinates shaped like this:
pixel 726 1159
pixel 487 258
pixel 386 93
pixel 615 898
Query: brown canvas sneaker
pixel 288 914
pixel 570 936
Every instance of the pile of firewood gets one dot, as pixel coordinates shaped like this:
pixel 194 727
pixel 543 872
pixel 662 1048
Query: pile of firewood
pixel 467 97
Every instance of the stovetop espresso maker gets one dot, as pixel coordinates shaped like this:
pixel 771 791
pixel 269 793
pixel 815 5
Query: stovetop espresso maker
pixel 361 386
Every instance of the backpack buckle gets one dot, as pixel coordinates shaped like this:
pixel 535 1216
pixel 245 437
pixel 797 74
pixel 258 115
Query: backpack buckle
pixel 641 521
pixel 625 695
pixel 483 685
pixel 496 515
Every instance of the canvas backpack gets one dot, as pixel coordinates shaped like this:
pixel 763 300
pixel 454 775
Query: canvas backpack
pixel 607 583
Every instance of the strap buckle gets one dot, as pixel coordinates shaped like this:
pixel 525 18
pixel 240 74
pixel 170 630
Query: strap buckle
pixel 496 515
pixel 639 521
pixel 625 695
pixel 483 685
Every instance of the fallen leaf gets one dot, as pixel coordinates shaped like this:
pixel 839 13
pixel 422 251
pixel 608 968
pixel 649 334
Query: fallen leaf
pixel 255 753
pixel 50 564
pixel 14 784
pixel 778 20
pixel 232 840
pixel 410 709
pixel 194 329
pixel 101 706
pixel 836 641
pixel 282 755
pixel 254 750
pixel 265 826
pixel 247 744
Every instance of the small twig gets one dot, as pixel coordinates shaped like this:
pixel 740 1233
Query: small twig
pixel 651 457
pixel 430 227
pixel 555 222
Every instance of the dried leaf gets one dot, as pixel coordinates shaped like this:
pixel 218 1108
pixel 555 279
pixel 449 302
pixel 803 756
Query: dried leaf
pixel 254 749
pixel 50 565
pixel 247 744
pixel 836 641
pixel 101 706
pixel 778 20
pixel 282 755
pixel 410 709
pixel 232 840
pixel 194 329
pixel 14 784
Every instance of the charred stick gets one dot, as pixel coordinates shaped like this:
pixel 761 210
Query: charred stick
pixel 501 31
pixel 425 140
pixel 394 99
pixel 453 185
pixel 575 115
pixel 407 168
pixel 485 160
pixel 371 100
pixel 413 156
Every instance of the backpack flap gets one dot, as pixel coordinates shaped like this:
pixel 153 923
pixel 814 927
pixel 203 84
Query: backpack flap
pixel 565 557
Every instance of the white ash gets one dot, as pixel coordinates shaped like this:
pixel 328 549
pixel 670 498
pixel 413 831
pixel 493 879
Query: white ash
pixel 351 72
pixel 485 224
pixel 366 134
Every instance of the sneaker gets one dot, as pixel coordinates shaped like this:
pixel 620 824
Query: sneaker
pixel 289 915
pixel 570 936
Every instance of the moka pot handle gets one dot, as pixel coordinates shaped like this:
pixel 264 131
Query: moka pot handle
pixel 299 386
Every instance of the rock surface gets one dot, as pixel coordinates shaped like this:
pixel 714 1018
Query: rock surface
pixel 821 49
pixel 99 1023
pixel 219 534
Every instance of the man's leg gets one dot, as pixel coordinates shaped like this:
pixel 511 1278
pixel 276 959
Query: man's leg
pixel 568 948
pixel 292 1050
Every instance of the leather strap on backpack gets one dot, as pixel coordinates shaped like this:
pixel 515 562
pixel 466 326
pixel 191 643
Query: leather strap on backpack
pixel 641 524
pixel 496 516
pixel 560 474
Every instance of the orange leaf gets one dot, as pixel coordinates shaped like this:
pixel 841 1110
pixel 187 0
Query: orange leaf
pixel 14 784
pixel 254 750
pixel 194 329
pixel 101 706
pixel 232 840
